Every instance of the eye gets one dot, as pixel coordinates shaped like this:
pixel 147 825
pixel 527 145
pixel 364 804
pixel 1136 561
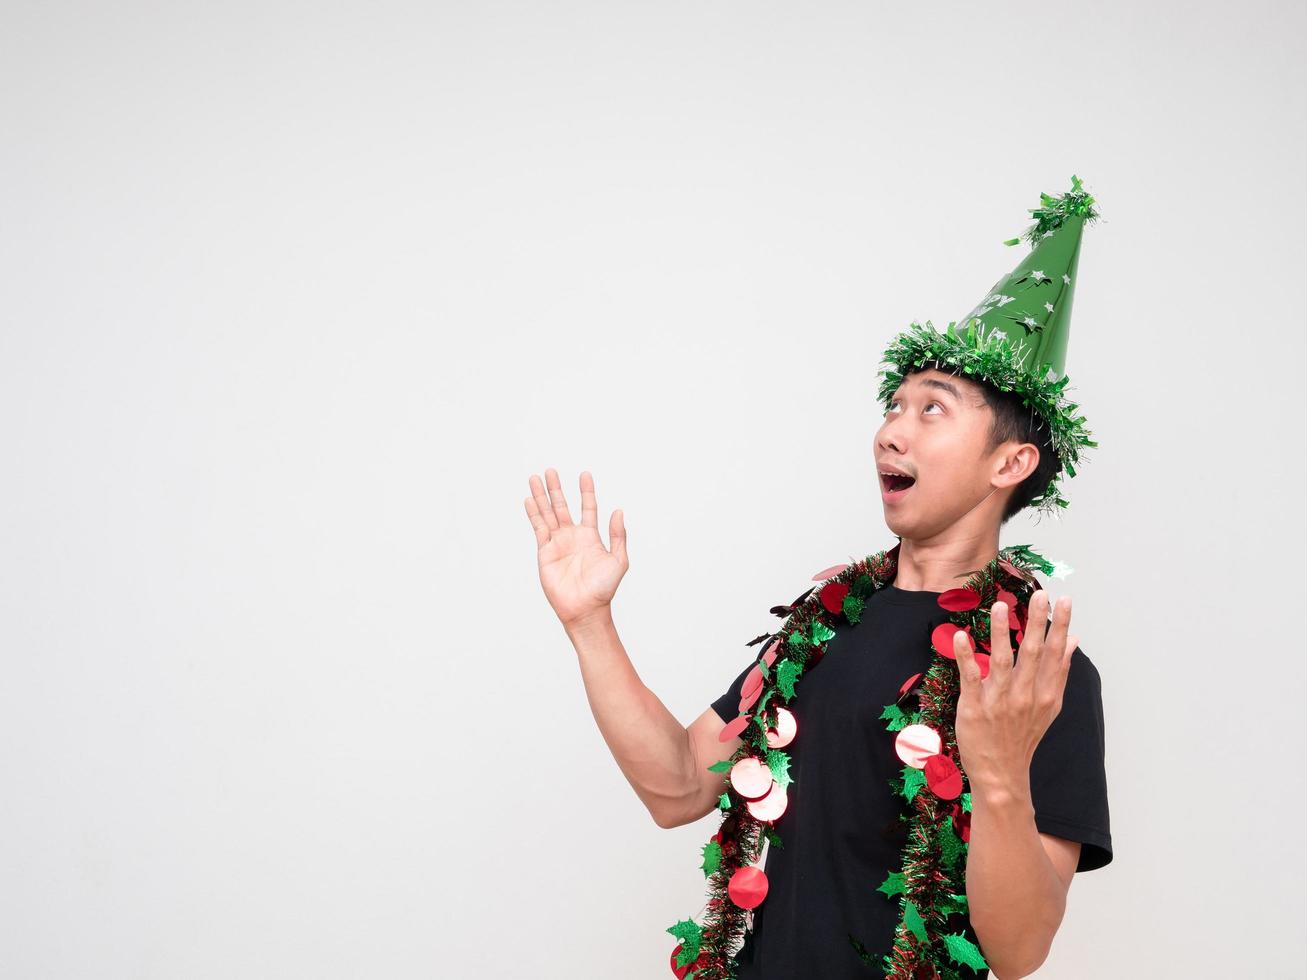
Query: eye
pixel 895 401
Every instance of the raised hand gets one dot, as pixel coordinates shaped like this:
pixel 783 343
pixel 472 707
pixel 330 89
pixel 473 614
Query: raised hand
pixel 1002 718
pixel 579 575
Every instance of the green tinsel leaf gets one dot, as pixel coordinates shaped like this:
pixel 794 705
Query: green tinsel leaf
pixel 690 933
pixel 952 903
pixel 893 885
pixel 798 640
pixel 863 586
pixel 966 802
pixel 724 801
pixel 787 672
pixel 898 719
pixel 951 846
pixel 712 857
pixel 861 950
pixel 773 838
pixel 1023 555
pixel 778 761
pixel 912 919
pixel 762 705
pixel 853 608
pixel 913 780
pixel 821 632
pixel 723 766
pixel 962 950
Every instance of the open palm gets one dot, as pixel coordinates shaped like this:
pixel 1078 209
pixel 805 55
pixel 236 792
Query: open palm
pixel 579 575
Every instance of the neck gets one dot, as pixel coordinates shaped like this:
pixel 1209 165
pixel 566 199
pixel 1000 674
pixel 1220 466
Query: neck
pixel 943 562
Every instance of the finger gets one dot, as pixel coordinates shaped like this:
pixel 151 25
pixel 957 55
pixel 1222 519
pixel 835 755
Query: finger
pixel 1071 643
pixel 543 507
pixel 968 669
pixel 1000 643
pixel 1058 676
pixel 589 506
pixel 1055 642
pixel 537 522
pixel 1032 642
pixel 617 536
pixel 561 513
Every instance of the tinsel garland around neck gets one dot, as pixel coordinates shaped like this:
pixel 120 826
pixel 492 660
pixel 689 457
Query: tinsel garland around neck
pixel 930 885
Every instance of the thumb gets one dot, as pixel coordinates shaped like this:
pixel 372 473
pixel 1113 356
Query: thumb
pixel 617 536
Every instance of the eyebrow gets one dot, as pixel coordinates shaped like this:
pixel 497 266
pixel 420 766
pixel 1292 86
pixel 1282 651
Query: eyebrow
pixel 943 385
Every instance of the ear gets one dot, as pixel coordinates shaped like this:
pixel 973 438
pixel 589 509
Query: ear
pixel 1016 462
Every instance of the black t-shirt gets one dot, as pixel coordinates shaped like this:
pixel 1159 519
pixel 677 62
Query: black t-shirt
pixel 841 834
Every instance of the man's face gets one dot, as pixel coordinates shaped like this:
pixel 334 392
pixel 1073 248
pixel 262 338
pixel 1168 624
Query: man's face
pixel 935 430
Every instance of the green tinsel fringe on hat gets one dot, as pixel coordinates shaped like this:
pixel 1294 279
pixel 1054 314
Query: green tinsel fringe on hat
pixel 1055 210
pixel 993 358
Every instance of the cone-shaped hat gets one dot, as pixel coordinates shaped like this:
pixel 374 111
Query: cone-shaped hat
pixel 1016 337
pixel 1033 302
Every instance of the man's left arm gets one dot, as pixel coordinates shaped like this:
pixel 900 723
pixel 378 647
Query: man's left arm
pixel 1017 881
pixel 1017 878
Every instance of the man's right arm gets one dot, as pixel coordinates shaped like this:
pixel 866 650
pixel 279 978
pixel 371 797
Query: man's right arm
pixel 665 762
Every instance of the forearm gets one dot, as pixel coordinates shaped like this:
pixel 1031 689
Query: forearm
pixel 650 746
pixel 1014 896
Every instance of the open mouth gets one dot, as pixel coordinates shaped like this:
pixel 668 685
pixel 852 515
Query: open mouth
pixel 894 484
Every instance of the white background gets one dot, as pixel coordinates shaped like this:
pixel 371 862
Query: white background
pixel 294 297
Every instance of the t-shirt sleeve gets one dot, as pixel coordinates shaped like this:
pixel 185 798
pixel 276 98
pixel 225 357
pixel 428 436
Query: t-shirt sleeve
pixel 1068 775
pixel 728 705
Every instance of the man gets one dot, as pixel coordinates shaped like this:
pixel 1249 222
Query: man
pixel 976 428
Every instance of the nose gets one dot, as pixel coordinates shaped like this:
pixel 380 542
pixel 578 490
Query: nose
pixel 888 438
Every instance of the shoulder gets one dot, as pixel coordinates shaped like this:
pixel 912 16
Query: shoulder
pixel 1083 671
pixel 1082 697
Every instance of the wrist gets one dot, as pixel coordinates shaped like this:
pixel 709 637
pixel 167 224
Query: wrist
pixel 597 621
pixel 1007 789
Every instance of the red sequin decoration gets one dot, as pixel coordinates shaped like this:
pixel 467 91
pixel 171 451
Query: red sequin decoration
pixel 733 728
pixel 751 778
pixel 831 572
pixel 748 887
pixel 832 596
pixel 786 728
pixel 959 600
pixel 915 743
pixel 907 686
pixel 749 700
pixel 771 806
pixel 962 822
pixel 941 638
pixel 943 777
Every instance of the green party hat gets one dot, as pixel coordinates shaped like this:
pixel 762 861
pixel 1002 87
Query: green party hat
pixel 1016 337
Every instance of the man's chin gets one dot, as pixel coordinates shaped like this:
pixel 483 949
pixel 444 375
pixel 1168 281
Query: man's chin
pixel 897 525
pixel 909 527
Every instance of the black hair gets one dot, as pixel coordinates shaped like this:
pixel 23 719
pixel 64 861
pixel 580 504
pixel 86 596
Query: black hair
pixel 1012 420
